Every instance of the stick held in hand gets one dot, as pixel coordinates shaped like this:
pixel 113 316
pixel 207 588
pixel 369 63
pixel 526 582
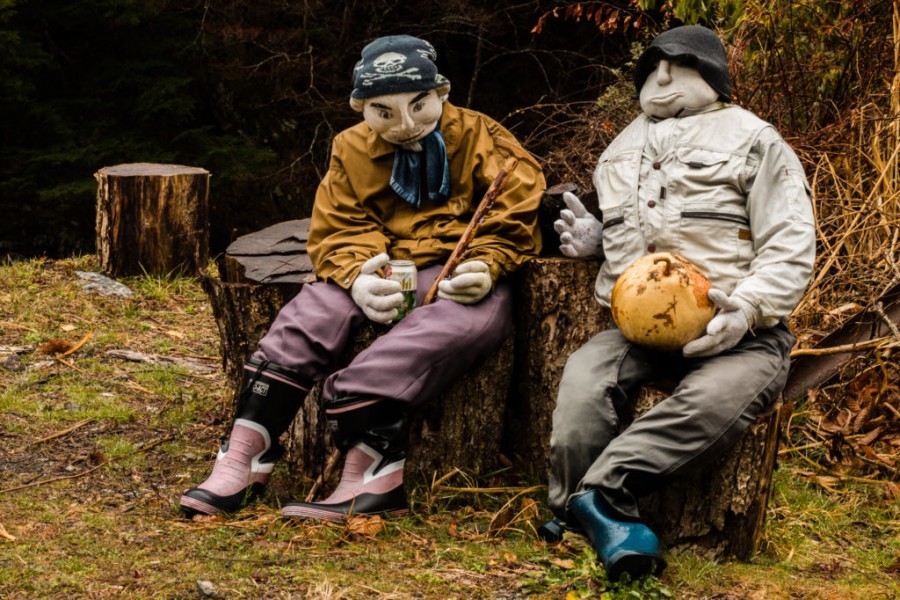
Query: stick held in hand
pixel 483 208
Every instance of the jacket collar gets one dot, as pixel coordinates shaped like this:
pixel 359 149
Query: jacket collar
pixel 450 126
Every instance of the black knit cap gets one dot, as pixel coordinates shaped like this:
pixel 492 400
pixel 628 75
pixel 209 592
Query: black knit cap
pixel 690 45
pixel 396 64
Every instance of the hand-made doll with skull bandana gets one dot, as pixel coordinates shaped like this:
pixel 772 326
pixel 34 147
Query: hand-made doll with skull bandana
pixel 700 177
pixel 403 184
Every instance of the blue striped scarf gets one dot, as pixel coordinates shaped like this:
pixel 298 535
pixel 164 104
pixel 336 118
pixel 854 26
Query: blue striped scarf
pixel 406 176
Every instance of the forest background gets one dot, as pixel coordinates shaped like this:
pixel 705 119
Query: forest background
pixel 254 92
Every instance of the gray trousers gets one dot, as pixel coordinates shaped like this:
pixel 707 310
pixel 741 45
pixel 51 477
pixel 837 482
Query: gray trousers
pixel 411 361
pixel 595 446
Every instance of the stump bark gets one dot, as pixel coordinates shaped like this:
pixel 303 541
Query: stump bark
pixel 556 313
pixel 152 218
pixel 719 509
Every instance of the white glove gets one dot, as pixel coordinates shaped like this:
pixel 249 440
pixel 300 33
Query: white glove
pixel 580 233
pixel 378 298
pixel 724 331
pixel 470 283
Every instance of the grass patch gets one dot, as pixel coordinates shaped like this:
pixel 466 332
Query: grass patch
pixel 97 449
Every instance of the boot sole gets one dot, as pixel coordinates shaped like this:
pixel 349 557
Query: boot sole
pixel 192 506
pixel 200 501
pixel 323 514
pixel 636 565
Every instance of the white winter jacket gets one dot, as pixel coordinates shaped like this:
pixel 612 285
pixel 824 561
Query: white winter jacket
pixel 719 187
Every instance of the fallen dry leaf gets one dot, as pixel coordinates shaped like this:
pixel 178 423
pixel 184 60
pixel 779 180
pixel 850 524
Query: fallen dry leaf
pixel 55 346
pixel 5 534
pixel 365 526
pixel 563 563
pixel 68 327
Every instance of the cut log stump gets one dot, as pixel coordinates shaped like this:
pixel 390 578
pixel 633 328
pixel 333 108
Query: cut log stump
pixel 461 429
pixel 504 407
pixel 718 510
pixel 556 313
pixel 152 218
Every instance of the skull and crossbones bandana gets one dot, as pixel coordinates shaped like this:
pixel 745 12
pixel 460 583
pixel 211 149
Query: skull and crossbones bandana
pixel 396 64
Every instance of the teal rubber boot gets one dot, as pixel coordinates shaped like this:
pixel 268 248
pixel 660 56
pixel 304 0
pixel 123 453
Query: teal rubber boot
pixel 622 546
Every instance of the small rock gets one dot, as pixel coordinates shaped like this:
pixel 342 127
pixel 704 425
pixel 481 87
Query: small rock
pixel 206 588
pixel 103 285
pixel 12 363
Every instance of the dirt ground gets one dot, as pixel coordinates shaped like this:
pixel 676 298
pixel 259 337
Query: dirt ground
pixel 96 445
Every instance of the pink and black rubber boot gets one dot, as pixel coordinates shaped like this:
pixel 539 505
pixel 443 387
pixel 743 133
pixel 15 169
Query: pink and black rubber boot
pixel 372 480
pixel 268 404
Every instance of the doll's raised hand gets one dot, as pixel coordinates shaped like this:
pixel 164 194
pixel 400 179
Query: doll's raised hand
pixel 378 298
pixel 580 233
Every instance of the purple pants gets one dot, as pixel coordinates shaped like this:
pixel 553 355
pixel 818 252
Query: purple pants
pixel 412 361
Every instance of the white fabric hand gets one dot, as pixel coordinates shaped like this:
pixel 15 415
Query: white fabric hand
pixel 470 283
pixel 378 298
pixel 580 233
pixel 724 331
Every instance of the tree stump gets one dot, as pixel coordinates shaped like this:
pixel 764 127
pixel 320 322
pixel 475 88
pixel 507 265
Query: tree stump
pixel 152 218
pixel 719 511
pixel 556 313
pixel 243 313
pixel 460 429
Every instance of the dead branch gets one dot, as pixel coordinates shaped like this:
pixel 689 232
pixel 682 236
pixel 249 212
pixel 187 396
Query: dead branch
pixel 145 448
pixel 58 434
pixel 17 326
pixel 77 346
pixel 330 466
pixel 483 207
pixel 879 342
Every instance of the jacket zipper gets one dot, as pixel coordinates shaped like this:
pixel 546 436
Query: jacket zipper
pixel 613 221
pixel 715 216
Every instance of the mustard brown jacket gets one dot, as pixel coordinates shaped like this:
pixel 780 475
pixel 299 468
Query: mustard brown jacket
pixel 356 214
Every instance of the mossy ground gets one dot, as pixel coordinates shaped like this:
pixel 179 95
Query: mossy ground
pixel 95 451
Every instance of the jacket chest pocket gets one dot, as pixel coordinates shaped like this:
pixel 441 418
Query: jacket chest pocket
pixel 700 170
pixel 719 238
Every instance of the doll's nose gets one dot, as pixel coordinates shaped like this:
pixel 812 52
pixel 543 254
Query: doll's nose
pixel 406 121
pixel 664 72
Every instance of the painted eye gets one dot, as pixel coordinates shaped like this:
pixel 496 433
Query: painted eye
pixel 418 106
pixel 384 114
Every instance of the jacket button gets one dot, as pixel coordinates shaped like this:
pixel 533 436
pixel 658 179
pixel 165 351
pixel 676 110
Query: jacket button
pixel 657 166
pixel 651 203
pixel 651 248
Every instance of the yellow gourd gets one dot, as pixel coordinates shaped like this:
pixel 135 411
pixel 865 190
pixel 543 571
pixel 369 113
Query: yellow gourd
pixel 660 301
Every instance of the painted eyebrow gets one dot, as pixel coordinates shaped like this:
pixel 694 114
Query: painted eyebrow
pixel 380 105
pixel 419 97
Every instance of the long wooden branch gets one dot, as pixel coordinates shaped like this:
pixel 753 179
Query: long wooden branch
pixel 483 208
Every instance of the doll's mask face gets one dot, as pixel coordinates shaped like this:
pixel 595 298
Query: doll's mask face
pixel 405 118
pixel 672 87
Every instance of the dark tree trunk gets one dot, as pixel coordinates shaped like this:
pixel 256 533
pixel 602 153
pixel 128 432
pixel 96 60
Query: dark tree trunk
pixel 152 218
